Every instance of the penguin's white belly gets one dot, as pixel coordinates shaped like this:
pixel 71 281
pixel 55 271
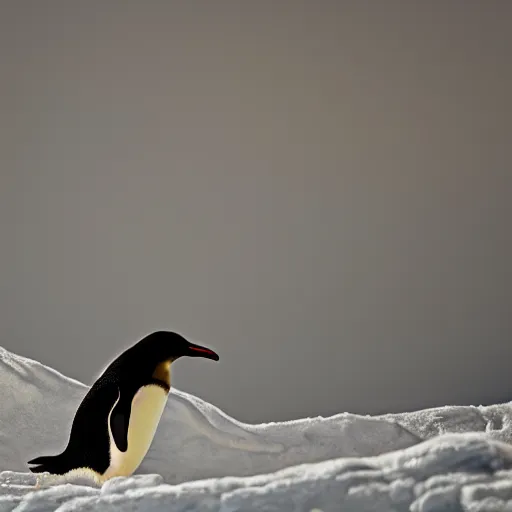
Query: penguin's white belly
pixel 146 411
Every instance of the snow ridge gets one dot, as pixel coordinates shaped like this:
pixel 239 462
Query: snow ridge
pixel 451 472
pixel 442 459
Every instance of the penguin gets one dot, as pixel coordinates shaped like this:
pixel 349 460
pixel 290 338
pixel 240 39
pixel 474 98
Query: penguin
pixel 115 423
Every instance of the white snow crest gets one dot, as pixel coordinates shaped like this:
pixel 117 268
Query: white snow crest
pixel 450 472
pixel 444 459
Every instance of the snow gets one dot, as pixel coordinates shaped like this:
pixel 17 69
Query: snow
pixel 443 459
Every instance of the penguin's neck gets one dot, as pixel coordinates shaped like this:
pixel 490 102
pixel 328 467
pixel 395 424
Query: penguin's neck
pixel 162 374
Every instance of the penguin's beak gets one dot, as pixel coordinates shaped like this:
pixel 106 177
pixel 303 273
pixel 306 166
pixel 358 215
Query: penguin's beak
pixel 199 351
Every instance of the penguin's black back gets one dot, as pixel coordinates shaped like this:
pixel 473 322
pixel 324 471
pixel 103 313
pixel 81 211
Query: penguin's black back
pixel 89 442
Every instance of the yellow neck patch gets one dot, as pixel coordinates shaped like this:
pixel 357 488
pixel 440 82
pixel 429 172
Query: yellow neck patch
pixel 163 372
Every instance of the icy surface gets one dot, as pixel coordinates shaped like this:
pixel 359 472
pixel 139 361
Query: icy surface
pixel 450 458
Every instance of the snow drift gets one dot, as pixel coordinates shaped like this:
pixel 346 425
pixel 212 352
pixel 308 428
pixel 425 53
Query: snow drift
pixel 451 458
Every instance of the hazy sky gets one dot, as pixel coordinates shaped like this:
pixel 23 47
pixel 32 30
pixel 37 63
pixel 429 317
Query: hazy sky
pixel 320 191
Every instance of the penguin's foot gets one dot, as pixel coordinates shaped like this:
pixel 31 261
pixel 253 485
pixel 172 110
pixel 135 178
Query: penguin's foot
pixel 79 476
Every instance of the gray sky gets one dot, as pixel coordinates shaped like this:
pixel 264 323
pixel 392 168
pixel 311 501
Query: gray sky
pixel 320 191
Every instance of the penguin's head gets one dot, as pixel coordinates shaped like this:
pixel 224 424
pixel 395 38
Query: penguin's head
pixel 169 346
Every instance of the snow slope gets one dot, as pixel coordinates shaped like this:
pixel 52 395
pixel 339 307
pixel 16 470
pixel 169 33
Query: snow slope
pixel 391 462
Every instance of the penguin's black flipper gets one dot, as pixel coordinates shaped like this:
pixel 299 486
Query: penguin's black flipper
pixel 119 421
